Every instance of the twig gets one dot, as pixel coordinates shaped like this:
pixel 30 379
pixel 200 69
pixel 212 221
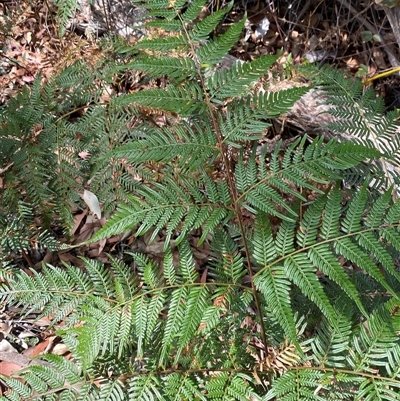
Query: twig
pixel 393 15
pixel 392 58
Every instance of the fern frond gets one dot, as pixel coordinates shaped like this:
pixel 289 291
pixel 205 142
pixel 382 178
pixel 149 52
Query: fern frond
pixel 170 206
pixel 309 224
pixel 353 253
pixel 284 241
pixel 277 103
pixel 145 387
pixel 198 300
pixel 175 68
pixel 202 29
pixel 275 287
pixel 330 221
pixel 322 257
pixel 112 390
pixel 193 10
pixel 167 14
pixel 331 344
pixel 177 42
pixel 359 115
pixel 212 53
pixel 299 266
pixel 285 390
pixel 168 24
pixel 318 163
pixel 375 335
pixel 183 387
pixel 174 321
pixel 65 10
pixel 185 100
pixel 272 269
pixel 237 80
pixel 183 142
pixel 241 124
pixel 228 264
pixel 299 269
pixel 236 386
pixel 53 372
pixel 264 250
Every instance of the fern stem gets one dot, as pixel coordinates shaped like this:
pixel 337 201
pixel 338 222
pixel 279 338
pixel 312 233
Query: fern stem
pixel 336 371
pixel 188 371
pixel 238 213
pixel 27 258
pixel 232 189
pixel 222 147
pixel 327 241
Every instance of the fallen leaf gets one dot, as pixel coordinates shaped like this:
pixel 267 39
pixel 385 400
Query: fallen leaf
pixel 60 349
pixel 8 368
pixel 93 203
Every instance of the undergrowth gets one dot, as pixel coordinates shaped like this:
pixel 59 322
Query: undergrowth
pixel 298 298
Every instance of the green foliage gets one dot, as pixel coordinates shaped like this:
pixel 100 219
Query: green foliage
pixel 65 11
pixel 297 295
pixel 360 113
pixel 41 148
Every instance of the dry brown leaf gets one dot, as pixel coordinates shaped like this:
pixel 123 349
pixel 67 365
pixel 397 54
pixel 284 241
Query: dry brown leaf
pixel 8 368
pixel 78 218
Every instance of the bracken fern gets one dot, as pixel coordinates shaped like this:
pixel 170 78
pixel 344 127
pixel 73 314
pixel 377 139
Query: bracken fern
pixel 298 298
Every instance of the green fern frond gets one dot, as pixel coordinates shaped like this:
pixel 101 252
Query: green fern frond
pixel 236 386
pixel 237 80
pixel 359 114
pixel 202 29
pixel 168 25
pixel 185 100
pixel 272 270
pixel 277 103
pixel 211 54
pixel 41 380
pixel 228 264
pixel 173 325
pixel 299 266
pixel 166 144
pixel 193 10
pixel 275 287
pixel 374 336
pixel 65 10
pixel 145 387
pixel 175 68
pixel 301 272
pixel 360 371
pixel 330 222
pixel 177 42
pixel 309 224
pixel 183 387
pixel 149 272
pixel 264 250
pixel 353 253
pixel 284 241
pixel 240 123
pixel 168 14
pixel 318 163
pixel 171 205
pixel 322 257
pixel 330 345
pixel 198 301
pixel 112 390
pixel 285 389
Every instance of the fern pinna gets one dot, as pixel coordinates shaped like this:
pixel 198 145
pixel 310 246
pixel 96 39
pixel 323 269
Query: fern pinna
pixel 298 298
